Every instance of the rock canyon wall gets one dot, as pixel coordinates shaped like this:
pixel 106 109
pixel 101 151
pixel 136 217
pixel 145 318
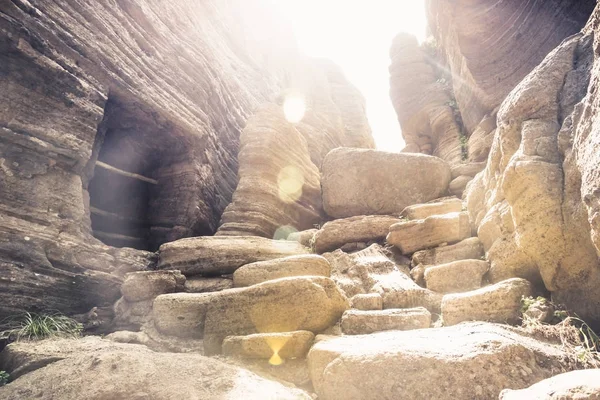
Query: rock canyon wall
pixel 121 121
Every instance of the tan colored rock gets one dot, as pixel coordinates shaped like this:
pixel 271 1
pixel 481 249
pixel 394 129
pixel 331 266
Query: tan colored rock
pixel 443 206
pixel 470 248
pixel 201 284
pixel 467 361
pixel 286 345
pixel 500 303
pixel 262 271
pixel 213 255
pixel 147 285
pixel 181 314
pixel 364 228
pixel 574 385
pixel 469 169
pixel 132 315
pixel 458 185
pixel 457 276
pixel 108 370
pixel 411 297
pixel 357 322
pixel 367 301
pixel 412 236
pixel 283 305
pixel 303 237
pixel 368 182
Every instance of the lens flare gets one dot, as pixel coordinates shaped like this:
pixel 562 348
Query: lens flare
pixel 294 107
pixel 290 181
pixel 283 232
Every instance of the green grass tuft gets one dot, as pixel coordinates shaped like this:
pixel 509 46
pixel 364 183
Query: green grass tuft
pixel 4 377
pixel 31 326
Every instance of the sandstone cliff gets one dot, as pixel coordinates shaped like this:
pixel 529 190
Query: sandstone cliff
pixel 121 121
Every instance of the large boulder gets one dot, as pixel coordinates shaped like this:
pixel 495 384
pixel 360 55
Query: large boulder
pixel 215 255
pixel 364 228
pixel 467 361
pixel 457 276
pixel 262 271
pixel 575 385
pixel 106 370
pixel 357 322
pixel 368 182
pixel 495 303
pixel 145 285
pixel 432 231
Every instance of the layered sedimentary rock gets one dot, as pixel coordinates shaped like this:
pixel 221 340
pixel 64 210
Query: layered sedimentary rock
pixel 535 205
pixel 122 121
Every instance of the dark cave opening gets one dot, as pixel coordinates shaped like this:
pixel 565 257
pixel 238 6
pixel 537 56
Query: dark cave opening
pixel 133 187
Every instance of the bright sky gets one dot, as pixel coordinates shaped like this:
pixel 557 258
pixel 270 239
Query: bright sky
pixel 357 35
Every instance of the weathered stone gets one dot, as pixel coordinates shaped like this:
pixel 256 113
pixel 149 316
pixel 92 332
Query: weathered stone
pixel 286 345
pixel 457 276
pixel 147 285
pixel 366 302
pixel 470 248
pixel 101 369
pixel 357 322
pixel 458 185
pixel 262 271
pixel 214 255
pixel 368 182
pixel 574 385
pixel 132 315
pixel 303 237
pixel 283 305
pixel 181 314
pixel 416 235
pixel 202 284
pixel 436 207
pixel 495 303
pixel 467 361
pixel 365 228
pixel 469 169
pixel 411 297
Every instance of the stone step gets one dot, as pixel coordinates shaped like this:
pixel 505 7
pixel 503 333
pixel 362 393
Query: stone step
pixel 421 234
pixel 500 303
pixel 262 271
pixel 270 346
pixel 436 207
pixel 473 360
pixel 364 228
pixel 358 322
pixel 367 302
pixel 201 284
pixel 455 277
pixel 282 305
pixel 144 285
pixel 218 255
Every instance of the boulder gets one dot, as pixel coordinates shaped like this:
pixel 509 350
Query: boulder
pixel 283 305
pixel 574 385
pixel 369 182
pixel 436 207
pixel 267 346
pixel 262 271
pixel 303 237
pixel 366 302
pixel 181 314
pixel 412 236
pixel 214 255
pixel 470 248
pixel 458 185
pixel 500 302
pixel 357 322
pixel 468 169
pixel 467 361
pixel 132 315
pixel 107 370
pixel 364 228
pixel 147 285
pixel 201 284
pixel 457 276
pixel 411 296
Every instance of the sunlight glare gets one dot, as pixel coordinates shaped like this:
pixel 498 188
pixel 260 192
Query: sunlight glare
pixel 294 107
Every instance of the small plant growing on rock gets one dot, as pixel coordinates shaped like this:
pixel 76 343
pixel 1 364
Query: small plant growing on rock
pixel 4 377
pixel 31 326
